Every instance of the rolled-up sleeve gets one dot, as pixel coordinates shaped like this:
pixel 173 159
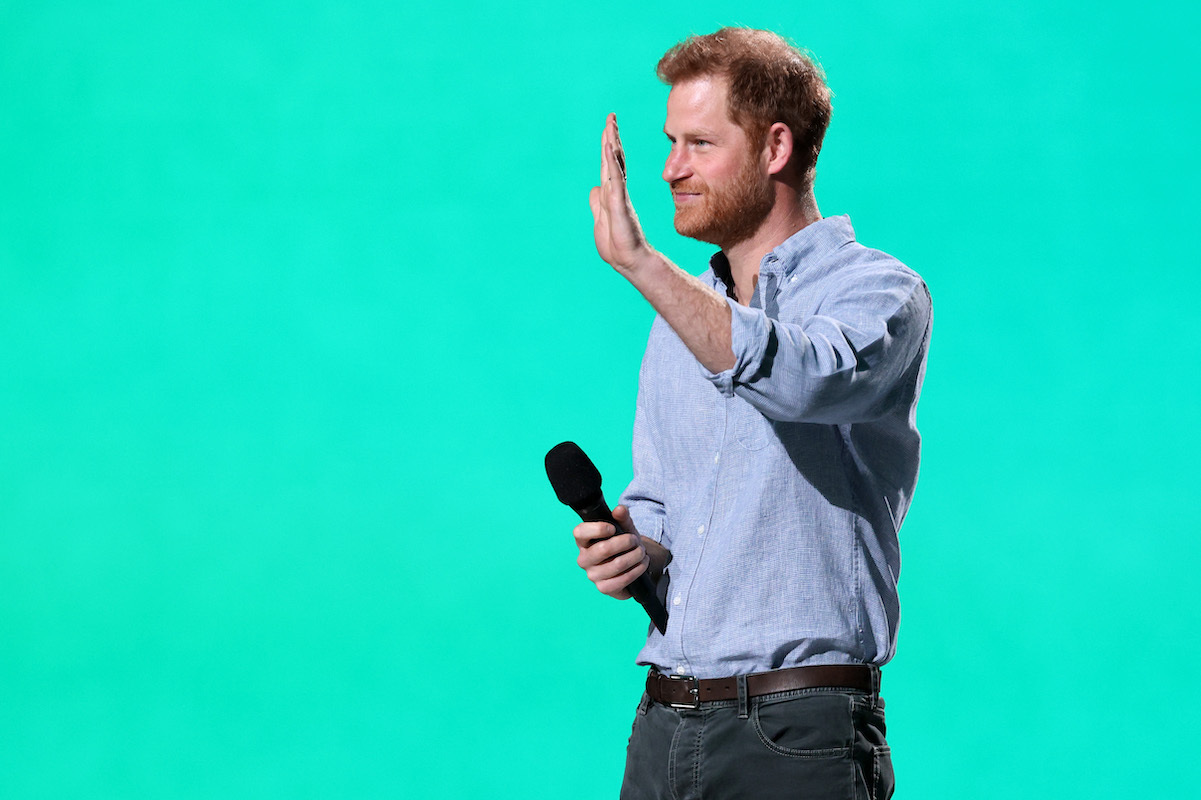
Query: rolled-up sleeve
pixel 838 364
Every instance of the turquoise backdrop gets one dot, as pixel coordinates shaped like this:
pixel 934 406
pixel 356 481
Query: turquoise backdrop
pixel 294 297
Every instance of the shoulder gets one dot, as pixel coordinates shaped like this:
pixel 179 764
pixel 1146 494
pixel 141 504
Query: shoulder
pixel 855 260
pixel 878 278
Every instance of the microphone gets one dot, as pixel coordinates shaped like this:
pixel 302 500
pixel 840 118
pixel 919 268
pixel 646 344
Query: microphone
pixel 577 483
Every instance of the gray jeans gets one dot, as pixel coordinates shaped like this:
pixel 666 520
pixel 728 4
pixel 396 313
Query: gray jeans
pixel 816 744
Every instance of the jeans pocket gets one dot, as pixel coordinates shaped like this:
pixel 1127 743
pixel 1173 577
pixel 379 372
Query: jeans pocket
pixel 808 726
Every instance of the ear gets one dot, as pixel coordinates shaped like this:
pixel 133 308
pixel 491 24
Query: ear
pixel 777 149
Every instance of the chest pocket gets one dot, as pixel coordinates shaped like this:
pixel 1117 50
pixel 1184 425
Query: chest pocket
pixel 752 430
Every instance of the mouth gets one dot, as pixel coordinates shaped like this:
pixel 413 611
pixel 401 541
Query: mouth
pixel 683 198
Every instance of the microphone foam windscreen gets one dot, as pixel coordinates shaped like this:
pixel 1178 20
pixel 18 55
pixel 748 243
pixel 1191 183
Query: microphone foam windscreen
pixel 572 474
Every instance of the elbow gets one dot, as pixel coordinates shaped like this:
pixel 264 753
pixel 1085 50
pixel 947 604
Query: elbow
pixel 839 398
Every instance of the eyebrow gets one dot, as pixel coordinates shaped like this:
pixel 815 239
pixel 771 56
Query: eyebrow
pixel 700 133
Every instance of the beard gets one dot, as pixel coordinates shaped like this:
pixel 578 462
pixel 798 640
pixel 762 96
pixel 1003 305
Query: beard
pixel 728 214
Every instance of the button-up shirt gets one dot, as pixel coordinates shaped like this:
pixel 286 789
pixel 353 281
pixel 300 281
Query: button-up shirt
pixel 779 485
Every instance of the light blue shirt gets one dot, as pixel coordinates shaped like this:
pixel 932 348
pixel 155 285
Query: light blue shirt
pixel 779 485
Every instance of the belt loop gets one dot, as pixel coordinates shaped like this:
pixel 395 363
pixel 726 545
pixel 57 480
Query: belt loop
pixel 743 711
pixel 652 679
pixel 875 686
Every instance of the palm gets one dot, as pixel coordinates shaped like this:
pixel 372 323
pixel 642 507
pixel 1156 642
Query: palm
pixel 615 225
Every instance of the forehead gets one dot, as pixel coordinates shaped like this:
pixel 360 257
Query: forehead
pixel 701 102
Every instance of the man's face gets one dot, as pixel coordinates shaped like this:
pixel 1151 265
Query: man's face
pixel 721 190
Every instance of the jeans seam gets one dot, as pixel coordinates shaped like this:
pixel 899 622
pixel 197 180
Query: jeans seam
pixel 671 758
pixel 875 773
pixel 878 751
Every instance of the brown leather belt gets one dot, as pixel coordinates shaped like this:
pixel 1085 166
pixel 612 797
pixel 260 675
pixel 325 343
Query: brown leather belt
pixel 689 692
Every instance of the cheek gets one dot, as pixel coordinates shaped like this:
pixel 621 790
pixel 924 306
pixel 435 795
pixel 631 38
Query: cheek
pixel 724 174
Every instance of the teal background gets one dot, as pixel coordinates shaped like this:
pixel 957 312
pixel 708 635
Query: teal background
pixel 294 297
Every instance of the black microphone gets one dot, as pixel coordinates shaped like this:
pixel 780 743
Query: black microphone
pixel 577 483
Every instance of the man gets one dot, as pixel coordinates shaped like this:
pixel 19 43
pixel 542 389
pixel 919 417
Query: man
pixel 775 450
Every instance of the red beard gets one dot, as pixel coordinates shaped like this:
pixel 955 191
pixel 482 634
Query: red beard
pixel 728 214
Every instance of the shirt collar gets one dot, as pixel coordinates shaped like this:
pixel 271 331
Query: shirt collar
pixel 823 236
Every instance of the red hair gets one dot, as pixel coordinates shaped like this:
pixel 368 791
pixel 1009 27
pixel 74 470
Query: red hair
pixel 770 80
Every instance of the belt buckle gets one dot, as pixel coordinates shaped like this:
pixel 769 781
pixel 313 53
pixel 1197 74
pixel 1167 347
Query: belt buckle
pixel 694 690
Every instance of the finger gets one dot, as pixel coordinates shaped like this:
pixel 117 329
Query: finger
pixel 607 547
pixel 622 515
pixel 588 532
pixel 620 550
pixel 604 150
pixel 618 583
pixel 615 547
pixel 613 168
pixel 620 150
pixel 605 560
pixel 614 140
pixel 618 565
pixel 613 154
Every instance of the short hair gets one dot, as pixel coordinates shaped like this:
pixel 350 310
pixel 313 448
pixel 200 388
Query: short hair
pixel 770 80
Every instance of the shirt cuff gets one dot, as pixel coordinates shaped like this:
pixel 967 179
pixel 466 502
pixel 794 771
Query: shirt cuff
pixel 749 330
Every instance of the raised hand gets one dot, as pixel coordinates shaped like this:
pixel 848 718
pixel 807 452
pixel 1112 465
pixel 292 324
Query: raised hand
pixel 697 313
pixel 619 237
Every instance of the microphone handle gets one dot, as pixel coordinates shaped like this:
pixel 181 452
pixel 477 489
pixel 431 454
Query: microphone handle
pixel 642 588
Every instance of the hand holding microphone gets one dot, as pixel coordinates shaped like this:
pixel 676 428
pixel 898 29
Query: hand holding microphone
pixel 611 551
pixel 612 555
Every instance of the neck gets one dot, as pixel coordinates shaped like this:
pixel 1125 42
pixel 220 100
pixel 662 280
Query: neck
pixel 791 213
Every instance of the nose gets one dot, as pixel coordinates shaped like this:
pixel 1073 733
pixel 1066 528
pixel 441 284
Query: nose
pixel 677 166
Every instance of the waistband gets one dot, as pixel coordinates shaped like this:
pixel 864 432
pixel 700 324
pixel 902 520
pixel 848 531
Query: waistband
pixel 685 691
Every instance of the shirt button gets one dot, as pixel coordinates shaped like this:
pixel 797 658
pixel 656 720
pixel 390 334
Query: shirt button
pixel 680 670
pixel 676 601
pixel 701 529
pixel 716 458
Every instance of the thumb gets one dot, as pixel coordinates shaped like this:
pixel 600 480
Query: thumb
pixel 622 515
pixel 594 202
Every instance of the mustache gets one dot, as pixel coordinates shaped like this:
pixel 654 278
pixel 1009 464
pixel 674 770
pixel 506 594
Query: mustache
pixel 683 185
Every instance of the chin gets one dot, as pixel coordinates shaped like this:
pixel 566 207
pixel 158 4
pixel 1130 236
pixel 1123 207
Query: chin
pixel 698 226
pixel 722 233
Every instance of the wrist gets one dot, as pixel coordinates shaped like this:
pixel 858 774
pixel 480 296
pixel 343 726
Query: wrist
pixel 660 557
pixel 642 263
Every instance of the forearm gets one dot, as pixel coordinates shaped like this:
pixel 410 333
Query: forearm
pixel 698 314
pixel 837 360
pixel 660 557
